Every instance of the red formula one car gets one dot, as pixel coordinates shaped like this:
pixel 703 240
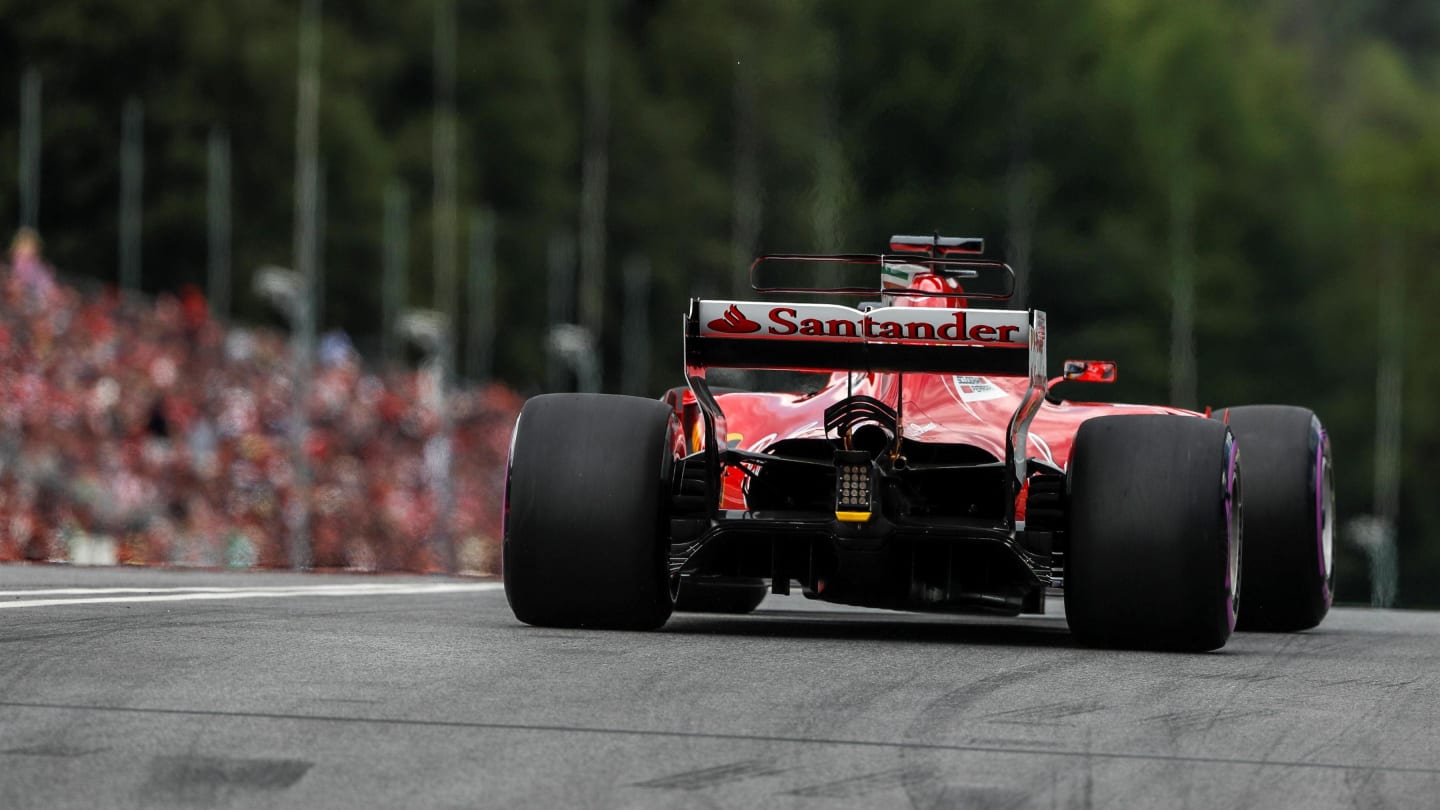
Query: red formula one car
pixel 933 470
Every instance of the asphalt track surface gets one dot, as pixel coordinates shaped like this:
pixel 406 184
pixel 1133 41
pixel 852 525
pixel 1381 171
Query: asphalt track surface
pixel 135 688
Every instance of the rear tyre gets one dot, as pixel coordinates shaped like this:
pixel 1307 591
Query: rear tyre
pixel 1289 563
pixel 1154 538
pixel 586 499
pixel 734 596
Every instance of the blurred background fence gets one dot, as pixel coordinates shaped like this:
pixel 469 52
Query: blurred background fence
pixel 314 255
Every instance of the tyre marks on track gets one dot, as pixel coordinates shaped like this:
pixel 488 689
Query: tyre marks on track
pixel 1045 714
pixel 713 777
pixel 1191 720
pixel 1367 682
pixel 1032 750
pixel 207 781
pixel 1235 677
pixel 853 787
pixel 905 778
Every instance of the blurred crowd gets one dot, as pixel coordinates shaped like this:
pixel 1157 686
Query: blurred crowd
pixel 149 425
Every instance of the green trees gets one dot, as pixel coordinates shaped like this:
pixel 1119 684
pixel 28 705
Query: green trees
pixel 1208 192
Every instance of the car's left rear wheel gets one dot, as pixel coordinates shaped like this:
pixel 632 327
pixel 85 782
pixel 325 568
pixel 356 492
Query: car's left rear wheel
pixel 586 507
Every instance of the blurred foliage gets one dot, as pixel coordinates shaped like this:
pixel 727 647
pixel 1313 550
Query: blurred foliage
pixel 1280 148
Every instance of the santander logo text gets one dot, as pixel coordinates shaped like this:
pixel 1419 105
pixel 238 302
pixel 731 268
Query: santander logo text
pixel 734 322
pixel 907 324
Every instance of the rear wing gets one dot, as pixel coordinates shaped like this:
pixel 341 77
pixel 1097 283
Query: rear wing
pixel 830 337
pixel 876 273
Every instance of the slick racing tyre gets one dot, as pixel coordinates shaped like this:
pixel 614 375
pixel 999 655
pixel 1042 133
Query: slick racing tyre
pixel 708 595
pixel 1289 565
pixel 586 498
pixel 1153 560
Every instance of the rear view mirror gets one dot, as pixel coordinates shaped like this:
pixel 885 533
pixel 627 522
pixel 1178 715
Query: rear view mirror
pixel 1093 371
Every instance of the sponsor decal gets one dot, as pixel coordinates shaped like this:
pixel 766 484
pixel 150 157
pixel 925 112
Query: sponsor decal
pixel 734 322
pixel 1043 446
pixel 899 276
pixel 697 437
pixel 976 389
pixel 828 321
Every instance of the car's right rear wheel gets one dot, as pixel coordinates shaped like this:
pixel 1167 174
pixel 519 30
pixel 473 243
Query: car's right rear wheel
pixel 1153 557
pixel 1289 517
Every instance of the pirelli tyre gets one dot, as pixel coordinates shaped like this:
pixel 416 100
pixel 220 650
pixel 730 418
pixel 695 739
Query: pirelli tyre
pixel 1153 560
pixel 586 495
pixel 1289 565
pixel 720 595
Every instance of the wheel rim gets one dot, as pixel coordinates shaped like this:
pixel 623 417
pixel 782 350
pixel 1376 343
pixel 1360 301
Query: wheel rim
pixel 1234 507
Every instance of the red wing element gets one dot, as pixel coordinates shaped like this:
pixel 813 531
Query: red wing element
pixel 734 322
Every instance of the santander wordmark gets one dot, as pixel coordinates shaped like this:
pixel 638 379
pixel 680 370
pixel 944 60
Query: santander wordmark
pixel 750 319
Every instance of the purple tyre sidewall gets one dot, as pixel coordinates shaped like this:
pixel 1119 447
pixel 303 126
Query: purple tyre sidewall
pixel 1233 537
pixel 1324 510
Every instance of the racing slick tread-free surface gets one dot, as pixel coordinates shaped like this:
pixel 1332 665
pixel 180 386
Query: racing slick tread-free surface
pixel 585 505
pixel 720 596
pixel 1287 587
pixel 1148 544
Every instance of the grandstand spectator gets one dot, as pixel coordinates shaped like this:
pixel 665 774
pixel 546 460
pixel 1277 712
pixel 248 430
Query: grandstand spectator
pixel 148 422
pixel 32 277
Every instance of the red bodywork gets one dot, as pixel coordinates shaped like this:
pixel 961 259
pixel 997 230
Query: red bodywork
pixel 973 410
pixel 942 409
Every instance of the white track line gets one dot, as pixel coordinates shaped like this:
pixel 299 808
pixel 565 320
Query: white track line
pixel 405 586
pixel 92 596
